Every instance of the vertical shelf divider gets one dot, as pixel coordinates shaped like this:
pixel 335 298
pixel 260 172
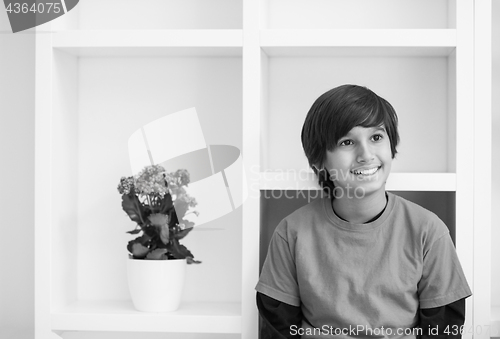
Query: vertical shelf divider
pixel 482 166
pixel 43 183
pixel 464 148
pixel 251 158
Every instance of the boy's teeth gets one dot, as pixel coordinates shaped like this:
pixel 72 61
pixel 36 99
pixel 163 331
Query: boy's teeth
pixel 367 171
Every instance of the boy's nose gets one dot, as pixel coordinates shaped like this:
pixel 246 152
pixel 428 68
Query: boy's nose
pixel 365 154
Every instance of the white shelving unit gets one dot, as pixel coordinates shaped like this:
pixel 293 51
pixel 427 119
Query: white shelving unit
pixel 252 69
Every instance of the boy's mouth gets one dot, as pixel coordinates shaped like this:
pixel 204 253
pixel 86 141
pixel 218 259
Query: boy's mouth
pixel 366 171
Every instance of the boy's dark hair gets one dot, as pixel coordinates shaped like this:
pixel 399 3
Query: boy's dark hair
pixel 334 114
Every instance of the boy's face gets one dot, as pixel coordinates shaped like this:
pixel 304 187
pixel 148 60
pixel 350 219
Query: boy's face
pixel 361 162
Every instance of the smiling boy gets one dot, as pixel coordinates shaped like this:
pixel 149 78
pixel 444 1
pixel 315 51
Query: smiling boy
pixel 360 261
pixel 360 163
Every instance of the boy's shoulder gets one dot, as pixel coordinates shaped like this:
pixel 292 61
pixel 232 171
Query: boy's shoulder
pixel 403 205
pixel 418 217
pixel 308 211
pixel 304 215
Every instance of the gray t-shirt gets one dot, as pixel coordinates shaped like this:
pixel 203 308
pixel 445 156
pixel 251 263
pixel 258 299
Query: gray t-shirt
pixel 369 276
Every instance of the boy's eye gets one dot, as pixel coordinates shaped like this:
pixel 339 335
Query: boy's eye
pixel 346 143
pixel 377 137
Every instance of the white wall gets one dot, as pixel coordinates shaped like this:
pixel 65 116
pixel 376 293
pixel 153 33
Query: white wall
pixel 17 106
pixel 495 236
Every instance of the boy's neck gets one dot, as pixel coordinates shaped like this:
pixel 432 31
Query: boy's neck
pixel 360 210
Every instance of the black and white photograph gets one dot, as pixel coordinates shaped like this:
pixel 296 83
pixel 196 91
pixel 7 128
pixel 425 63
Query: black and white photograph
pixel 250 169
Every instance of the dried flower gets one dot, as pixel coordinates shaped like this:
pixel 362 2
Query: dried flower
pixel 190 201
pixel 182 177
pixel 126 185
pixel 177 179
pixel 151 181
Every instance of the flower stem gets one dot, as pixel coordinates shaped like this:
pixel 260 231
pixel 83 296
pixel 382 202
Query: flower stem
pixel 149 202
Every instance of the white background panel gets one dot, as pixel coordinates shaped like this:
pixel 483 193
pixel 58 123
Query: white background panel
pixel 212 197
pixel 160 14
pixel 414 86
pixel 322 14
pixel 236 179
pixel 181 129
pixel 137 152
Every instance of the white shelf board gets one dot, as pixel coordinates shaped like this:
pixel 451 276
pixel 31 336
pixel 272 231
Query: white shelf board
pixel 122 316
pixel 446 182
pixel 302 180
pixel 346 42
pixel 150 42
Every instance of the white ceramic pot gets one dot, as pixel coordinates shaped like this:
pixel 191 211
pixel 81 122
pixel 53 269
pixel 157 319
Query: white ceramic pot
pixel 156 285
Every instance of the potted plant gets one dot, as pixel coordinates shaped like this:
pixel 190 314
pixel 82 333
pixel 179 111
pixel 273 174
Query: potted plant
pixel 158 203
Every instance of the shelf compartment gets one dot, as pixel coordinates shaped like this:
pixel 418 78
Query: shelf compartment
pixel 421 90
pixel 306 180
pixel 153 14
pixel 150 43
pixel 97 104
pixel 119 316
pixel 357 14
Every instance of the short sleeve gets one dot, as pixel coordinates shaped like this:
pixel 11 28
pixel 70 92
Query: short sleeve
pixel 278 278
pixel 443 280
